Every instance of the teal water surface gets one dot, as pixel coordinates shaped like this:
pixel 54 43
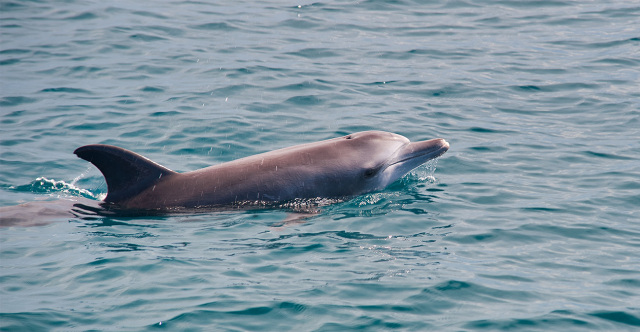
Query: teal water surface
pixel 529 222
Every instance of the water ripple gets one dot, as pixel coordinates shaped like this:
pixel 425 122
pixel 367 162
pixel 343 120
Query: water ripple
pixel 529 221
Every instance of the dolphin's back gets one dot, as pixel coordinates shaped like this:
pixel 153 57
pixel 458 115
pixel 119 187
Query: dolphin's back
pixel 126 173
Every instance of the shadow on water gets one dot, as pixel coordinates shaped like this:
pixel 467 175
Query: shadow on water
pixel 99 213
pixel 40 213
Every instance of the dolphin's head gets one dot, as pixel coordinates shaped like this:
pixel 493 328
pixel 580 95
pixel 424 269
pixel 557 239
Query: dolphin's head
pixel 376 158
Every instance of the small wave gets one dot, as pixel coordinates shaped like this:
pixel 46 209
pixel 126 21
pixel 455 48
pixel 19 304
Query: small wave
pixel 15 101
pixel 48 186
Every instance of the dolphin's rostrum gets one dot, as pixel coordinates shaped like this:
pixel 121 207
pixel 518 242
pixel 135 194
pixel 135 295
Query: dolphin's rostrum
pixel 341 167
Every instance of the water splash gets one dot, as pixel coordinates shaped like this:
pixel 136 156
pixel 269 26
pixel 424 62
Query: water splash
pixel 80 176
pixel 423 173
pixel 62 188
pixel 370 199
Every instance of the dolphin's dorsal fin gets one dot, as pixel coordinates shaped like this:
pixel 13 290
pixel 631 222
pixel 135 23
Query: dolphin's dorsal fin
pixel 127 173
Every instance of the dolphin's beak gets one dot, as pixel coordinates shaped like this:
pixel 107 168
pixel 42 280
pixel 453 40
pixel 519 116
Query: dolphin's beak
pixel 418 153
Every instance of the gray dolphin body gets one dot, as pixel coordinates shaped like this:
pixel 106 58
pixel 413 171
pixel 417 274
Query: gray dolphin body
pixel 341 167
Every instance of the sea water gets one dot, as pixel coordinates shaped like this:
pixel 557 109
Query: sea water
pixel 529 222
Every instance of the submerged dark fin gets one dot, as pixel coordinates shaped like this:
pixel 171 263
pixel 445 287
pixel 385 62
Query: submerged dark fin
pixel 127 173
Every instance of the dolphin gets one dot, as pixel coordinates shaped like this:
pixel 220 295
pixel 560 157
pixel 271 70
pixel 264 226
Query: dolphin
pixel 341 167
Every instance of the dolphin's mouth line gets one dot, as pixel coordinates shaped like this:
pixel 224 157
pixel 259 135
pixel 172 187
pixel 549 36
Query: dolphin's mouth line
pixel 439 152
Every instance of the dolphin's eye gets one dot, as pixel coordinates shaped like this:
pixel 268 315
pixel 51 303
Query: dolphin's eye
pixel 348 137
pixel 369 172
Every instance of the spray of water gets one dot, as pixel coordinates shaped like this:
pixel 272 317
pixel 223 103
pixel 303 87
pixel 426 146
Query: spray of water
pixel 56 188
